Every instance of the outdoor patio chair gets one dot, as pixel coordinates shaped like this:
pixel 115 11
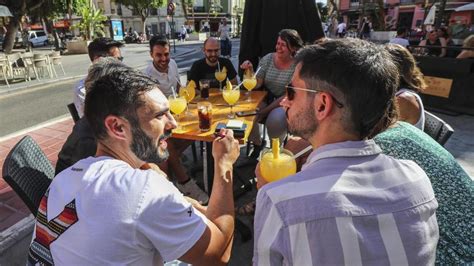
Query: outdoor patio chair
pixel 437 128
pixel 28 172
pixel 55 59
pixel 41 61
pixel 4 68
pixel 15 70
pixel 29 65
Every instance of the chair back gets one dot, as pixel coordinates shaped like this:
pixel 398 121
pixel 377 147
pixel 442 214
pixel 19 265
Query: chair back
pixel 40 60
pixel 73 111
pixel 437 128
pixel 28 172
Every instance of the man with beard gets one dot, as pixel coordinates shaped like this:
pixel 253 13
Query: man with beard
pixel 165 71
pixel 350 204
pixel 113 209
pixel 206 67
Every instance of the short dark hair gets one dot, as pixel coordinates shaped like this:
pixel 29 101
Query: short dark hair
pixel 292 38
pixel 358 73
pixel 158 40
pixel 118 93
pixel 100 47
pixel 401 31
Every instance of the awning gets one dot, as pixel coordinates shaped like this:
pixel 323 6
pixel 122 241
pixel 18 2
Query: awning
pixel 5 12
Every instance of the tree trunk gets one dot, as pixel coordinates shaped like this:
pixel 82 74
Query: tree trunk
pixel 381 14
pixel 12 29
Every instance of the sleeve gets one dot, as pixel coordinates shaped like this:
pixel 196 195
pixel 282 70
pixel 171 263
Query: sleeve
pixel 263 65
pixel 167 220
pixel 267 232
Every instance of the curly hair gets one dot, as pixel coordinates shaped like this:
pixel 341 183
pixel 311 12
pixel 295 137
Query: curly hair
pixel 410 75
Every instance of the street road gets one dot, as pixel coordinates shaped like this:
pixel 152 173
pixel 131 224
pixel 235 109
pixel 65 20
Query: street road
pixel 36 105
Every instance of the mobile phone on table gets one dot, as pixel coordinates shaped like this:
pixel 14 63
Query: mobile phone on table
pixel 246 113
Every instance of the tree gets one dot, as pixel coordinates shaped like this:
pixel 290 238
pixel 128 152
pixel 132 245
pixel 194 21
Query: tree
pixel 142 7
pixel 92 21
pixel 323 11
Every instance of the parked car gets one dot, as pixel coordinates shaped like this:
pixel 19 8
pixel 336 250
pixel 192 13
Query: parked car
pixel 35 38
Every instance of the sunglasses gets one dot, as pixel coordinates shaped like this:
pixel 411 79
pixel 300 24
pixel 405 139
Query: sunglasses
pixel 290 94
pixel 120 58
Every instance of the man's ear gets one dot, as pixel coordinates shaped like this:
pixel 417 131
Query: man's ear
pixel 117 127
pixel 323 105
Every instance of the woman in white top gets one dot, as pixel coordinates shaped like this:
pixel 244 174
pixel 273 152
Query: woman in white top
pixel 410 106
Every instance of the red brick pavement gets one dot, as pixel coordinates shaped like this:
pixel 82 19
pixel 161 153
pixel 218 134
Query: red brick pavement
pixel 50 137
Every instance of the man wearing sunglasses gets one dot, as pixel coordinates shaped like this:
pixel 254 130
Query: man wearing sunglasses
pixel 206 67
pixel 99 47
pixel 350 204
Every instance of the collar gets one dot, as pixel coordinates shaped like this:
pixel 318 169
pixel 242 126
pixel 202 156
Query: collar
pixel 343 149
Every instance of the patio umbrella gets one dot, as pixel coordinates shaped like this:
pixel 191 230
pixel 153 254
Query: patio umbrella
pixel 468 7
pixel 5 12
pixel 430 18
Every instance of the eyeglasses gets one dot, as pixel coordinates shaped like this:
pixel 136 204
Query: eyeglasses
pixel 290 94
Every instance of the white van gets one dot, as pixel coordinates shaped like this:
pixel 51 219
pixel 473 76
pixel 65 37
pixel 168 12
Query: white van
pixel 38 38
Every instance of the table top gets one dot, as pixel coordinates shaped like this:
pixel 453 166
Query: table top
pixel 220 110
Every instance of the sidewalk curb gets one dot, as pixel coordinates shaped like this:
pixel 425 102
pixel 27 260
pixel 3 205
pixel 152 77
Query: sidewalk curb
pixel 38 126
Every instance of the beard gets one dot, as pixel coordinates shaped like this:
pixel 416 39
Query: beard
pixel 303 126
pixel 144 148
pixel 212 59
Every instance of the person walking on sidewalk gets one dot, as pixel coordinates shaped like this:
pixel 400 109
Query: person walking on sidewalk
pixel 115 208
pixel 224 34
pixel 99 47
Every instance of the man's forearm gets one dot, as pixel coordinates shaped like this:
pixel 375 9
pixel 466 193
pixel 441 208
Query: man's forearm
pixel 221 203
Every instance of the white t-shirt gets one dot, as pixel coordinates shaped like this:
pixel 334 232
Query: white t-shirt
pixel 79 97
pixel 166 80
pixel 224 30
pixel 403 42
pixel 125 216
pixel 341 27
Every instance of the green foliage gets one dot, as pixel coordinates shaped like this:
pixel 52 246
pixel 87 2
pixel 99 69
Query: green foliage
pixel 141 6
pixel 323 11
pixel 92 22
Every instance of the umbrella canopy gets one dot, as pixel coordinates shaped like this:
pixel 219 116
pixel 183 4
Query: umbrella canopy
pixel 468 7
pixel 430 18
pixel 5 12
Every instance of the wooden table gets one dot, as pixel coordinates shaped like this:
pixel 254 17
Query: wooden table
pixel 220 109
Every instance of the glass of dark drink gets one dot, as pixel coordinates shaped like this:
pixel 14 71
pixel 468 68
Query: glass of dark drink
pixel 205 115
pixel 204 85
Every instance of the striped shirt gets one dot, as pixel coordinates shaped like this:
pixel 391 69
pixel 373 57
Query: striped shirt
pixel 350 204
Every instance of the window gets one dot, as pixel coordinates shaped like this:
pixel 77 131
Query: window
pixel 153 11
pixel 40 33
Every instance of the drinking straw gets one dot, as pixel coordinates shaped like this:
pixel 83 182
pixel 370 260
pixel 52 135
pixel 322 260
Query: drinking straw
pixel 258 69
pixel 174 92
pixel 218 65
pixel 276 148
pixel 302 152
pixel 179 82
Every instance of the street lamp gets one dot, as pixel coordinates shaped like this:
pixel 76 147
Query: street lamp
pixel 170 11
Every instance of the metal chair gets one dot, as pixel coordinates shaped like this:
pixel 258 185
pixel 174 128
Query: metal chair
pixel 73 111
pixel 4 68
pixel 55 59
pixel 437 128
pixel 29 65
pixel 41 61
pixel 15 70
pixel 28 172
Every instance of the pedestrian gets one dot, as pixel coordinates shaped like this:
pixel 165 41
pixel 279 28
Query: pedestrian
pixel 400 39
pixel 365 29
pixel 341 29
pixel 224 34
pixel 183 33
